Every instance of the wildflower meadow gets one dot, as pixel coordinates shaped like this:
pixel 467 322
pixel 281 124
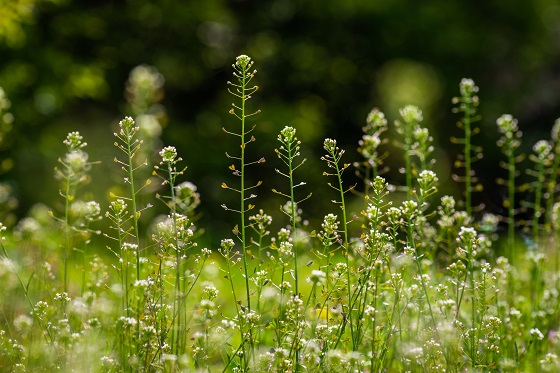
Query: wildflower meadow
pixel 397 277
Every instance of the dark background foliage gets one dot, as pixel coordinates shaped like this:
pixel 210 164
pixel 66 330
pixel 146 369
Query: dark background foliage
pixel 322 65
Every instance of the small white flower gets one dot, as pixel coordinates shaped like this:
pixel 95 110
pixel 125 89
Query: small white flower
pixel 62 297
pixel 168 154
pixel 22 322
pixel 317 277
pixel 411 114
pixel 536 333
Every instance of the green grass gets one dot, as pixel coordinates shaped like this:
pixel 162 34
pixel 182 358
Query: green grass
pixel 413 282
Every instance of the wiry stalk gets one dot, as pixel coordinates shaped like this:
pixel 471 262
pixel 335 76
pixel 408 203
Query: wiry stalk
pixel 169 160
pixel 509 142
pixel 368 148
pixel 467 104
pixel 130 145
pixel 73 173
pixel 118 215
pixel 333 161
pixel 541 159
pixel 243 92
pixel 542 151
pixel 467 237
pixel 411 116
pixel 287 153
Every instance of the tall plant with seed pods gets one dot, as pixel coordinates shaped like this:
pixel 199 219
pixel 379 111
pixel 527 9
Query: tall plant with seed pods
pixel 242 89
pixel 467 104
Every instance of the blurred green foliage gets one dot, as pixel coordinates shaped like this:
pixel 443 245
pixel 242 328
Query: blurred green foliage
pixel 322 67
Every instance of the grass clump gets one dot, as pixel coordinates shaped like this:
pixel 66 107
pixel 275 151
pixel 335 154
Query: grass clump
pixel 413 282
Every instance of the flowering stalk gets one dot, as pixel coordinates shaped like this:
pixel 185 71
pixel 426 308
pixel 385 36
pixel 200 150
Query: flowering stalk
pixel 130 145
pixel 144 91
pixel 542 150
pixel 467 239
pixel 328 236
pixel 285 249
pixel 90 212
pixel 509 142
pixel 375 242
pixel 541 159
pixel 412 211
pixel 231 259
pixel 74 170
pixel 423 147
pixel 411 117
pixel 260 225
pixel 118 215
pixel 243 91
pixel 376 124
pixel 169 162
pixel 288 153
pixel 333 158
pixel 467 104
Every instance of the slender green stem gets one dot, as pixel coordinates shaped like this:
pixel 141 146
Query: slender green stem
pixel 130 172
pixel 408 167
pixel 242 189
pixel 130 147
pixel 242 203
pixel 347 253
pixel 473 308
pixel 468 172
pixel 509 142
pixel 411 115
pixel 542 149
pixel 287 153
pixel 75 167
pixel 511 202
pixel 67 247
pixel 240 318
pixel 293 216
pixel 467 104
pixel 294 232
pixel 412 243
pixel 343 208
pixel 176 330
pixel 333 159
pixel 124 270
pixel 136 232
pixel 243 93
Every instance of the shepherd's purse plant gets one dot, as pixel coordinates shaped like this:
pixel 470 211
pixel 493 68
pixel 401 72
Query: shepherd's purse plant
pixel 392 277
